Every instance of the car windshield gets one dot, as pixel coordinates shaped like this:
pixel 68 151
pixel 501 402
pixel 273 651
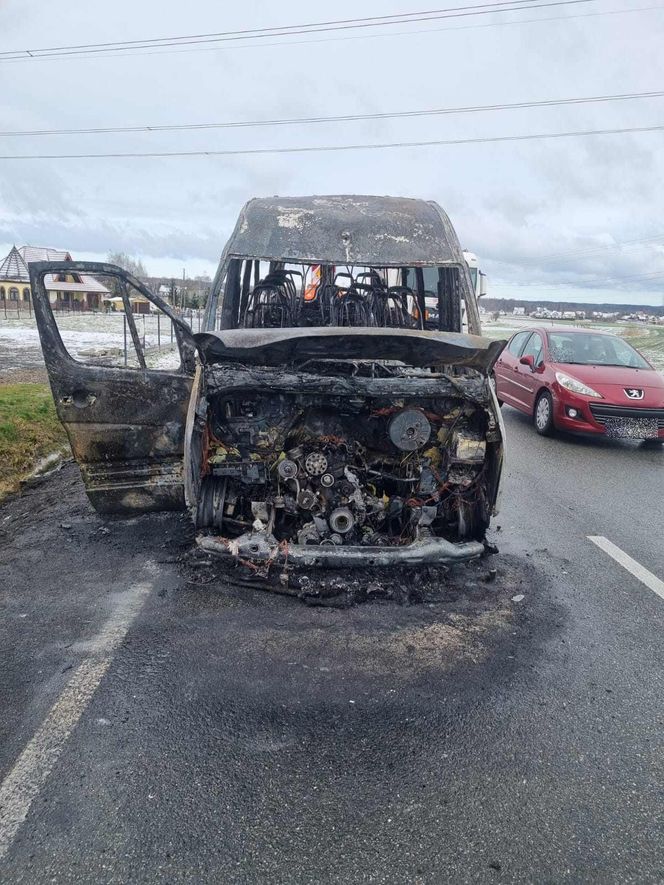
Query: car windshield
pixel 594 349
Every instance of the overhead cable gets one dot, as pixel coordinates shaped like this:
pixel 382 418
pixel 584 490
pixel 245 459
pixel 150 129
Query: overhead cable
pixel 340 118
pixel 308 149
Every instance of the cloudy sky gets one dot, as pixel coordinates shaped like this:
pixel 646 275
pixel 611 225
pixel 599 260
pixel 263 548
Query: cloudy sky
pixel 566 219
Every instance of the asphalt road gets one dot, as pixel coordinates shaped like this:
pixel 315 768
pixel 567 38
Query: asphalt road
pixel 160 724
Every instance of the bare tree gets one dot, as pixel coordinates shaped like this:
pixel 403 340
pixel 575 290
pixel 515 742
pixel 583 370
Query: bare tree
pixel 134 265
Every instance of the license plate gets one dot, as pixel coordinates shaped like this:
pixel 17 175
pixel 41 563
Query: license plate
pixel 631 428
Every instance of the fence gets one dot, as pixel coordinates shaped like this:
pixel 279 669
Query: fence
pixel 165 336
pixel 23 308
pixel 18 309
pixel 11 309
pixel 193 316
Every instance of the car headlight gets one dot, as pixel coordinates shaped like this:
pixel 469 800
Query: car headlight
pixel 575 386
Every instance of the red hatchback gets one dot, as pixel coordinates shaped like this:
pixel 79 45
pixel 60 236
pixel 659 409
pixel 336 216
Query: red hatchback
pixel 581 381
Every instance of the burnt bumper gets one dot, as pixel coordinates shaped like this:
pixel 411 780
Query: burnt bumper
pixel 260 548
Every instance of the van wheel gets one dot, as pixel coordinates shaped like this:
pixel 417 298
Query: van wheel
pixel 544 414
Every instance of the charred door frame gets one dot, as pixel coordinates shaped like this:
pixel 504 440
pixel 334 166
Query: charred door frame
pixel 126 426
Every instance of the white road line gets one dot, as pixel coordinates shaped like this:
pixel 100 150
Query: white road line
pixel 651 581
pixel 31 770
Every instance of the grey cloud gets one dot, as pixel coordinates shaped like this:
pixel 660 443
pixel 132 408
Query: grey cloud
pixel 514 204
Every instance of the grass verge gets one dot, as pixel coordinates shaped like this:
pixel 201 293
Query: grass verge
pixel 29 431
pixel 650 341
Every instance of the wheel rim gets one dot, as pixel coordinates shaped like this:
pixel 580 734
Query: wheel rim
pixel 543 410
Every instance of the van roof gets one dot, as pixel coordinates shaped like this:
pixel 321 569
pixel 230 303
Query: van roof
pixel 367 230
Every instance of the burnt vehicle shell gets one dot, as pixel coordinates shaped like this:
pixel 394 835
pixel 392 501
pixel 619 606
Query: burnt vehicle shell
pixel 319 445
pixel 336 385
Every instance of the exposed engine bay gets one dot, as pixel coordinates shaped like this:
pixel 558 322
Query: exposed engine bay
pixel 345 453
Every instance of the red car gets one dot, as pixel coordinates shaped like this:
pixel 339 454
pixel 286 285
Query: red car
pixel 583 381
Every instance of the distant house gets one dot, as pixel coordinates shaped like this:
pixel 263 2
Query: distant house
pixel 14 278
pixel 138 303
pixel 66 291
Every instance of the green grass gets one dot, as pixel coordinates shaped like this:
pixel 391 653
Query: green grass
pixel 649 340
pixel 29 430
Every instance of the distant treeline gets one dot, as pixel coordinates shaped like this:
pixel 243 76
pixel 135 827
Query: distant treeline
pixel 508 305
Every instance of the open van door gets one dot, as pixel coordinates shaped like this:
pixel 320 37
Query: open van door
pixel 121 365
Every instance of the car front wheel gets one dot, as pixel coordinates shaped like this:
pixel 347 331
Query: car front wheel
pixel 544 414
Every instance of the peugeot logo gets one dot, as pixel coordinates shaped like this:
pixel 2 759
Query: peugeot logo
pixel 633 393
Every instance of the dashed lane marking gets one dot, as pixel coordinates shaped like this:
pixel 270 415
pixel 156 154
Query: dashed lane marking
pixel 31 770
pixel 635 568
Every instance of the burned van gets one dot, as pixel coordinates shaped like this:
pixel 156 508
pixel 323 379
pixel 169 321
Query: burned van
pixel 317 418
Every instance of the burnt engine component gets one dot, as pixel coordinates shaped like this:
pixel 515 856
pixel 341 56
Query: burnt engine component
pixel 315 463
pixel 341 520
pixel 287 469
pixel 306 499
pixel 409 430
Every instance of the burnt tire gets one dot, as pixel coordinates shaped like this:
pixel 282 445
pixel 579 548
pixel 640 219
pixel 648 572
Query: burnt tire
pixel 543 414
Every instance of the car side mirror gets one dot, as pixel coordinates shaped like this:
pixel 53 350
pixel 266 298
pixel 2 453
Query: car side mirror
pixel 528 360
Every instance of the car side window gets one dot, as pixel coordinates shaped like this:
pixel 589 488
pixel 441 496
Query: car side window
pixel 515 345
pixel 534 348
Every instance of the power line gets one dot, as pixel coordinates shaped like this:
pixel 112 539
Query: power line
pixel 132 53
pixel 544 259
pixel 341 118
pixel 603 248
pixel 593 280
pixel 332 148
pixel 288 30
pixel 639 276
pixel 369 21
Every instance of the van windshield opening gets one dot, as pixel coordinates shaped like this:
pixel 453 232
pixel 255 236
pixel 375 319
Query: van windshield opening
pixel 281 294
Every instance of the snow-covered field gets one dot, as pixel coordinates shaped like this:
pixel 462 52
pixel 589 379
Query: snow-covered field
pixel 85 336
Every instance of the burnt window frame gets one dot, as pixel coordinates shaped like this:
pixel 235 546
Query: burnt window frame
pixel 233 281
pixel 52 338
